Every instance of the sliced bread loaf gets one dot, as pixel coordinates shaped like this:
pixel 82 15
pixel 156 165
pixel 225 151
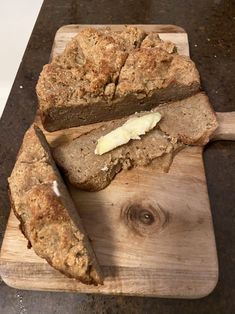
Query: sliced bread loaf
pixel 104 75
pixel 187 122
pixel 47 214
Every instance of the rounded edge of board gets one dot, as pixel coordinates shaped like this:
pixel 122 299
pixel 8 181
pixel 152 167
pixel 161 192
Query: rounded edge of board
pixel 209 288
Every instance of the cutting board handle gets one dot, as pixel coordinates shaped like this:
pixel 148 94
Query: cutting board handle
pixel 226 129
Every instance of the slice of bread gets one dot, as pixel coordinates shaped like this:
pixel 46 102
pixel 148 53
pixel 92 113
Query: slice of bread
pixel 48 217
pixel 187 122
pixel 104 75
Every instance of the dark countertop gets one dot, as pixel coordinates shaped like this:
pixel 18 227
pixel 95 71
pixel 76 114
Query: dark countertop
pixel 211 27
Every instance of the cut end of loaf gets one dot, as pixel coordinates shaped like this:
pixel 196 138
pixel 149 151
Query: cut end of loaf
pixel 186 122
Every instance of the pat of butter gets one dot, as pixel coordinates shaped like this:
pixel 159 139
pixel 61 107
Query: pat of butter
pixel 130 130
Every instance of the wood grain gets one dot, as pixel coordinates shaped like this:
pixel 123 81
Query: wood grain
pixel 152 231
pixel 226 129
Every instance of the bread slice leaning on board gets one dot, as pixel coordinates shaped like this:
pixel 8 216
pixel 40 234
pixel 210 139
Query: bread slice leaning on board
pixel 186 122
pixel 48 217
pixel 104 75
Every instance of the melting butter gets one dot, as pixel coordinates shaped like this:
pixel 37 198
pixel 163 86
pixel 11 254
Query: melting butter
pixel 130 130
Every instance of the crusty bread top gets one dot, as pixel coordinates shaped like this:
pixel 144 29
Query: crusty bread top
pixel 154 69
pixel 88 68
pixel 47 214
pixel 102 66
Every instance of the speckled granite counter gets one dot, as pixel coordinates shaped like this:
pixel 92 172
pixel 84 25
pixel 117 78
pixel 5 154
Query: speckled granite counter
pixel 211 28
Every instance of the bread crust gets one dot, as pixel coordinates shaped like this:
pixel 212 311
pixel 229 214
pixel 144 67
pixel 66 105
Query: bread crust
pixel 104 75
pixel 47 216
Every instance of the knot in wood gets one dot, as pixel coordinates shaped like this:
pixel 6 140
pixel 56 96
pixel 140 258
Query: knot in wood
pixel 143 217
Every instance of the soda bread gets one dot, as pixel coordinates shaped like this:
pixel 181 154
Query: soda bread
pixel 47 215
pixel 104 75
pixel 187 122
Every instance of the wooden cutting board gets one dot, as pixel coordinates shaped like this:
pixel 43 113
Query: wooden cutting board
pixel 151 231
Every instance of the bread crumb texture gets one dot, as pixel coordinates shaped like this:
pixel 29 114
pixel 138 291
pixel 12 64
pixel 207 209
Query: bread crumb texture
pixel 187 122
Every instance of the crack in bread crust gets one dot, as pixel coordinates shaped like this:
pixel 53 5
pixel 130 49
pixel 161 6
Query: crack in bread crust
pixel 104 75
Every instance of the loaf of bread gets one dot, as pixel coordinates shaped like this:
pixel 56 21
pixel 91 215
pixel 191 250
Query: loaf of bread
pixel 187 122
pixel 48 217
pixel 104 75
